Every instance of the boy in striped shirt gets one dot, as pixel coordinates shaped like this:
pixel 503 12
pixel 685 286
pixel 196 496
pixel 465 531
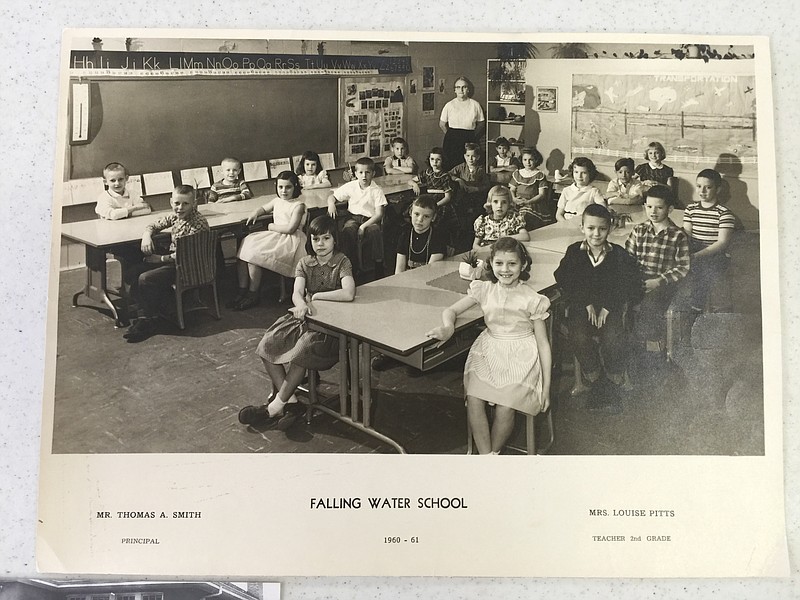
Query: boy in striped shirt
pixel 662 250
pixel 230 188
pixel 709 226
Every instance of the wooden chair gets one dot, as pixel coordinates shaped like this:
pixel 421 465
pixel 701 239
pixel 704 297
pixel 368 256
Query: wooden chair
pixel 580 386
pixel 195 268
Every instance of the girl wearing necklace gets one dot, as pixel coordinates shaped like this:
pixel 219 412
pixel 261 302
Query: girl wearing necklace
pixel 420 243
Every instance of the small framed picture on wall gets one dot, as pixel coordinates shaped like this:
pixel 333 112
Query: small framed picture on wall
pixel 428 78
pixel 428 104
pixel 546 99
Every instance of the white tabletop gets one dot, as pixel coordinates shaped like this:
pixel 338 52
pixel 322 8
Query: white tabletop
pixel 101 233
pixel 558 236
pixel 395 312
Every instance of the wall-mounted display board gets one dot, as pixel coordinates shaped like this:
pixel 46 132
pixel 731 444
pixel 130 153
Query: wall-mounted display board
pixel 694 116
pixel 372 114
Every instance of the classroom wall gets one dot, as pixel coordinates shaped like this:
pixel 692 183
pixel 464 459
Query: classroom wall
pixel 17 590
pixel 450 61
pixel 551 132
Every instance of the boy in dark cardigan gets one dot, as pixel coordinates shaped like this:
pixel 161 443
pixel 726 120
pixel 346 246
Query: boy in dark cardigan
pixel 599 279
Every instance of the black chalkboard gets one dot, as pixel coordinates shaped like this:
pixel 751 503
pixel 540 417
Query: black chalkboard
pixel 173 124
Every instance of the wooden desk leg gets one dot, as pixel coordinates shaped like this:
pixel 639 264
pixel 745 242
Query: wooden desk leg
pixel 366 383
pixel 343 374
pixel 354 378
pixel 530 434
pixel 95 287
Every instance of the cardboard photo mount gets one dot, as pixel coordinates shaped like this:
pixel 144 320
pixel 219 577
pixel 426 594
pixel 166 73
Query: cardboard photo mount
pixel 263 514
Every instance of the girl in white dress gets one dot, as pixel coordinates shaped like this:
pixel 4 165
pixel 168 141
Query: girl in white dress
pixel 279 248
pixel 509 363
pixel 310 172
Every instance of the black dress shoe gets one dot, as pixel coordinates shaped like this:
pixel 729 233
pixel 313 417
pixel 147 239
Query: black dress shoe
pixel 382 363
pixel 231 304
pixel 254 415
pixel 250 300
pixel 146 328
pixel 132 329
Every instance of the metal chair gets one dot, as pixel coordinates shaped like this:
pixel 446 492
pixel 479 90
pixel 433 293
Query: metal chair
pixel 195 268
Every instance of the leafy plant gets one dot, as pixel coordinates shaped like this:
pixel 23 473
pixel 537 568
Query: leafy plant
pixel 640 54
pixel 570 50
pixel 511 54
pixel 703 51
pixel 471 258
pixel 516 51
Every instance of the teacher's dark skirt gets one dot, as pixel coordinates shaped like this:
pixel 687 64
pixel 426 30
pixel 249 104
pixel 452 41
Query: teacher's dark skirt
pixel 453 146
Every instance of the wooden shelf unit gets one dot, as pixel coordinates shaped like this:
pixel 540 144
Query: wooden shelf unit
pixel 505 97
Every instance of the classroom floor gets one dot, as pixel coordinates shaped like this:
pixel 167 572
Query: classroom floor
pixel 181 392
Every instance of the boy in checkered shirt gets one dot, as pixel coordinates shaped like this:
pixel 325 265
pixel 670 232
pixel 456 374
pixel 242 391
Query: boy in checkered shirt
pixel 662 250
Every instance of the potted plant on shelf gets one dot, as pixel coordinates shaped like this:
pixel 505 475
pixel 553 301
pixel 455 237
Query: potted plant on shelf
pixel 570 50
pixel 703 51
pixel 97 44
pixel 511 57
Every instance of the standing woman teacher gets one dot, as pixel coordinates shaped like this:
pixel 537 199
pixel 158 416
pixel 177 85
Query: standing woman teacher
pixel 462 121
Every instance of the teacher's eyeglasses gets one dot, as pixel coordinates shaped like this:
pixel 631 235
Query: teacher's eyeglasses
pixel 462 87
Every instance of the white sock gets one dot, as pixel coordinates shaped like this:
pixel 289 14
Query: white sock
pixel 292 399
pixel 275 407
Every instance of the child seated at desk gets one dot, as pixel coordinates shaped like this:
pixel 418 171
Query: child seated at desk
pixel 509 364
pixel 599 279
pixel 436 181
pixel 289 347
pixel 655 171
pixel 503 161
pixel 500 220
pixel 472 183
pixel 278 249
pixel 420 243
pixel 400 162
pixel 576 197
pixel 362 221
pixel 230 188
pixel 310 172
pixel 116 202
pixel 626 188
pixel 710 227
pixel 156 274
pixel 529 190
pixel 662 250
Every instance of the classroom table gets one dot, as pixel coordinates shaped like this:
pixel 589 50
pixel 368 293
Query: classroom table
pixel 392 316
pixel 558 236
pixel 100 235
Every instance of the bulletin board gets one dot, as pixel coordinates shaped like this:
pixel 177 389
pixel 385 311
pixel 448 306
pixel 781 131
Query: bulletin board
pixel 373 112
pixel 696 117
